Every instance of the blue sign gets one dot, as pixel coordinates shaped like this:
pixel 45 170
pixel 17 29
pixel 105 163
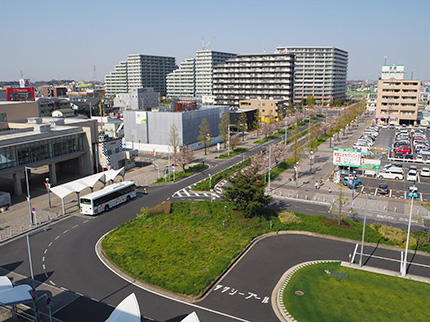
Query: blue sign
pixel 33 209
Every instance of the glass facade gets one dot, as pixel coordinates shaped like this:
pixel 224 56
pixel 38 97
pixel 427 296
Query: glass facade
pixel 27 153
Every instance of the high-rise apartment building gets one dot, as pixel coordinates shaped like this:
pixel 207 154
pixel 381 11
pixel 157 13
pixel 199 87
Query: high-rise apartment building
pixel 319 71
pixel 139 71
pixel 194 77
pixel 257 76
pixel 397 101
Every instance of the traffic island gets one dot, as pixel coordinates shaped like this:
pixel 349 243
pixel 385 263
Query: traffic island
pixel 338 291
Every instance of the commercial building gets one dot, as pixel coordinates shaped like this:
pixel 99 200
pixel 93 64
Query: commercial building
pixel 235 114
pixel 139 71
pixel 109 126
pixel 268 110
pixel 151 131
pixel 397 101
pixel 194 77
pixel 319 71
pixel 259 76
pixel 14 111
pixel 65 145
pixel 53 91
pixel 371 101
pixel 137 99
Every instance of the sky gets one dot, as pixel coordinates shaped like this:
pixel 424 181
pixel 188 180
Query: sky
pixel 52 39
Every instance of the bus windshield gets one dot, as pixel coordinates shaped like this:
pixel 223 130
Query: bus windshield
pixel 85 201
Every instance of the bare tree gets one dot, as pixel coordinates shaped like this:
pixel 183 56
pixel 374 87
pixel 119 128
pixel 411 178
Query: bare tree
pixel 223 128
pixel 337 208
pixel 278 152
pixel 243 124
pixel 204 133
pixel 234 141
pixel 174 138
pixel 184 156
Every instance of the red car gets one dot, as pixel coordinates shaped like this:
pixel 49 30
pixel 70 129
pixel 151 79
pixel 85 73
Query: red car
pixel 403 149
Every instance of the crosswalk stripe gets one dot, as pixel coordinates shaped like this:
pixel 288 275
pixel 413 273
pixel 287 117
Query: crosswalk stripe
pixel 186 192
pixel 196 194
pixel 205 194
pixel 215 195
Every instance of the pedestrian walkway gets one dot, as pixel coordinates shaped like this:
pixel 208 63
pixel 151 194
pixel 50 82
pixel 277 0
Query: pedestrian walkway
pixel 189 193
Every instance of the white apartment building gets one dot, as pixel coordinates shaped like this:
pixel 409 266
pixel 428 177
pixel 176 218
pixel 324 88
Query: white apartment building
pixel 319 71
pixel 139 71
pixel 257 76
pixel 194 77
pixel 137 99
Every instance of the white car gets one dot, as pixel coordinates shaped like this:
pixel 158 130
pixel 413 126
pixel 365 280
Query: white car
pixel 412 175
pixel 425 152
pixel 425 172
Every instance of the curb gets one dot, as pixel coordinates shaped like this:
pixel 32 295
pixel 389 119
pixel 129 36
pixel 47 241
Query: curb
pixel 277 302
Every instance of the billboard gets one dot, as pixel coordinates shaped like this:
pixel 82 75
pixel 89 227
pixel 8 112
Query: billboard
pixel 347 157
pixel 24 82
pixel 370 164
pixel 20 94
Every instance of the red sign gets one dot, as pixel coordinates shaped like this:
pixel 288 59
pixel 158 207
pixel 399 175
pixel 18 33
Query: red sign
pixel 20 94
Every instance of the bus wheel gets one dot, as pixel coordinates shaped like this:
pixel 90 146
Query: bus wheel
pixel 106 207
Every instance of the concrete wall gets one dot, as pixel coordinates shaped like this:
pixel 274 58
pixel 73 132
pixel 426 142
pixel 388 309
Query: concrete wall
pixel 154 133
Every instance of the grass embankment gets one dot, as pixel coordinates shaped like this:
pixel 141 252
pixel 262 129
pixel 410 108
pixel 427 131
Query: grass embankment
pixel 336 293
pixel 232 153
pixel 207 184
pixel 187 172
pixel 185 250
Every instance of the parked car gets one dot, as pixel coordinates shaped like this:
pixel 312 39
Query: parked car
pixel 383 189
pixel 425 172
pixel 425 152
pixel 412 175
pixel 403 149
pixel 391 174
pixel 413 192
pixel 351 182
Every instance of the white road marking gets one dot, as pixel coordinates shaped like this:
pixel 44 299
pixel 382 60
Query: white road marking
pixel 43 258
pixel 94 299
pixel 74 226
pixel 405 194
pixel 57 237
pixel 205 194
pixel 395 260
pixel 186 192
pixel 421 196
pixel 52 282
pixel 66 231
pixel 215 195
pixel 196 194
pixel 63 288
pixel 43 266
pixel 391 190
pixel 418 177
pixel 50 244
pixel 165 296
pixel 86 221
pixel 45 251
pixel 376 191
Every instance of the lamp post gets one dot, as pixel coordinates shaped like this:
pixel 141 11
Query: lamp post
pixel 364 230
pixel 28 195
pixel 228 140
pixel 311 153
pixel 403 273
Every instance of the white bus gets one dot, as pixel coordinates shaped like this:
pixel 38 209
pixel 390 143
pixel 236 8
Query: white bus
pixel 108 197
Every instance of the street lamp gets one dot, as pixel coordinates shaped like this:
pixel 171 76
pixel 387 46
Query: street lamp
pixel 28 195
pixel 403 271
pixel 311 153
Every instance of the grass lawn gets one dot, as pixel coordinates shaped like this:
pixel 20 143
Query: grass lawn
pixel 183 251
pixel 187 249
pixel 359 296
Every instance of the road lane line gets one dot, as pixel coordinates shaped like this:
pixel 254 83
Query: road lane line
pixel 163 295
pixel 66 231
pixel 376 191
pixel 74 226
pixel 86 221
pixel 43 266
pixel 391 190
pixel 45 251
pixel 43 258
pixel 50 244
pixel 57 237
pixel 52 282
pixel 421 196
pixel 395 260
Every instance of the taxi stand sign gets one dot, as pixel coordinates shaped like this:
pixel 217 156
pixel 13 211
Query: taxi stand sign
pixel 347 157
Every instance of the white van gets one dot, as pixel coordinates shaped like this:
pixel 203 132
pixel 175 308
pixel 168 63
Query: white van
pixel 393 173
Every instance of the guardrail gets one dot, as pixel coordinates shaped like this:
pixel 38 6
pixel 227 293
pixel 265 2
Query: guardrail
pixel 409 160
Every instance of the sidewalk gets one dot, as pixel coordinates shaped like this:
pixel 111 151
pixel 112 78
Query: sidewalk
pixel 380 208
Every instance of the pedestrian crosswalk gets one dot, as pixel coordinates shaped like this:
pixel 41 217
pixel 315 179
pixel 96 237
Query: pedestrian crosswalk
pixel 188 193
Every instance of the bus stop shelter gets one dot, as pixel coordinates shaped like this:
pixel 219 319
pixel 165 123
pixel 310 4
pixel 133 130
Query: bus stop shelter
pixel 76 186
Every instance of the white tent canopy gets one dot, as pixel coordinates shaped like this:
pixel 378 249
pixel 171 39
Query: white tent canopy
pixel 78 185
pixel 5 283
pixel 192 317
pixel 126 311
pixel 15 295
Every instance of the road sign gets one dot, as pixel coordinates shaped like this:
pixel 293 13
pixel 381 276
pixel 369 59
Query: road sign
pixel 33 209
pixel 347 157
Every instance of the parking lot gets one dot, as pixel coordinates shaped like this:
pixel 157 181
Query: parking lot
pixel 399 171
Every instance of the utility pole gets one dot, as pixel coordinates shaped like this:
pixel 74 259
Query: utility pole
pixel 28 195
pixel 228 140
pixel 270 165
pixel 364 230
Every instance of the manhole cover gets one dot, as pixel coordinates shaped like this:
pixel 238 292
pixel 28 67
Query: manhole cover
pixel 299 293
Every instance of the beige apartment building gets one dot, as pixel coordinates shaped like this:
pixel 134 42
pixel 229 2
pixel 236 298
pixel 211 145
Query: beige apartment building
pixel 268 110
pixel 397 101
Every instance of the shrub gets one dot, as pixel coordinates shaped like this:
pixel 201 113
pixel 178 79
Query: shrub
pixel 162 208
pixel 396 235
pixel 287 217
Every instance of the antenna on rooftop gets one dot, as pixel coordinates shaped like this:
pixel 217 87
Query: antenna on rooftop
pixel 385 60
pixel 206 45
pixel 21 74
